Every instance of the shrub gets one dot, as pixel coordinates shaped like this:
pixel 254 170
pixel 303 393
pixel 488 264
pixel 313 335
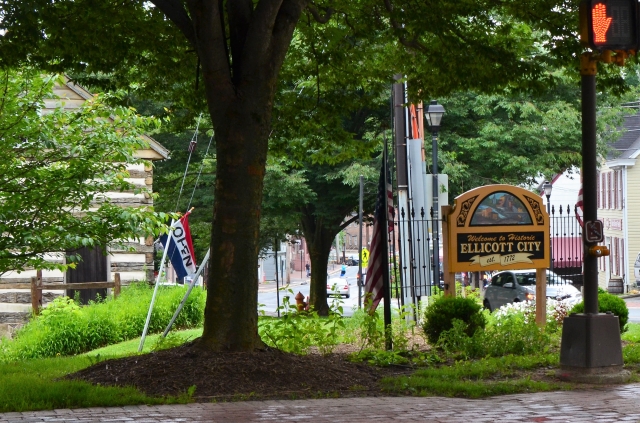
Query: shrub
pixel 612 303
pixel 439 316
pixel 297 332
pixel 556 312
pixel 511 334
pixel 64 328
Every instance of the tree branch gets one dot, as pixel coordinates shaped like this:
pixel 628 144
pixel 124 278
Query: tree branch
pixel 259 36
pixel 175 11
pixel 286 22
pixel 413 43
pixel 211 45
pixel 240 14
pixel 349 222
pixel 316 13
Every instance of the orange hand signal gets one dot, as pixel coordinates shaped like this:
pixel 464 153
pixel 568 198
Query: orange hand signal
pixel 601 23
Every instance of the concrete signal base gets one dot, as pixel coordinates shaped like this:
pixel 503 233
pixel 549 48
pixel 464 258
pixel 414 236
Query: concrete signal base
pixel 591 349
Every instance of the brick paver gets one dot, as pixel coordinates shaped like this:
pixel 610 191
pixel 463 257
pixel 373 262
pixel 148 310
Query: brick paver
pixel 611 404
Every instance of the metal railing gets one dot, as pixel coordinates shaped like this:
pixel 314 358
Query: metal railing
pixel 566 243
pixel 411 271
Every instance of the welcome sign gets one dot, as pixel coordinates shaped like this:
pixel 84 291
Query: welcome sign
pixel 498 227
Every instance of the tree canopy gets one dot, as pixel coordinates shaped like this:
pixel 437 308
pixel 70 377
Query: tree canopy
pixel 57 169
pixel 234 51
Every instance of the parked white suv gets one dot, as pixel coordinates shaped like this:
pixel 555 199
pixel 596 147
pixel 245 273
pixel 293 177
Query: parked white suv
pixel 512 286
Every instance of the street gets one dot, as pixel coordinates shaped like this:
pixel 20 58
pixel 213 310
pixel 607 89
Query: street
pixel 633 304
pixel 268 300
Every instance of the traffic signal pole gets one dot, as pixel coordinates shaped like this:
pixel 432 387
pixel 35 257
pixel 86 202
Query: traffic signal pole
pixel 588 70
pixel 591 347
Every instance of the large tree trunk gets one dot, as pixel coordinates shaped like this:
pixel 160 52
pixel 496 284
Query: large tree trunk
pixel 231 317
pixel 319 250
pixel 319 238
pixel 241 45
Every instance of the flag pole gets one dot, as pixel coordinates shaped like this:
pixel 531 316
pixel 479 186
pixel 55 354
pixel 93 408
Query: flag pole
pixel 385 258
pixel 186 295
pixel 155 289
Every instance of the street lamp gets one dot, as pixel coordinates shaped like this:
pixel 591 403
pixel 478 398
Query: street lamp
pixel 548 187
pixel 434 115
pixel 547 192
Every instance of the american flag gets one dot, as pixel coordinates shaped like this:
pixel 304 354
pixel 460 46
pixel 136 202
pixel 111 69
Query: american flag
pixel 579 207
pixel 378 267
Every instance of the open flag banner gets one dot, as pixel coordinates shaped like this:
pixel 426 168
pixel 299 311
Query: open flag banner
pixel 180 249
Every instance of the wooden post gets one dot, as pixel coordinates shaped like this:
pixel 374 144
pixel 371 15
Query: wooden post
pixel 449 278
pixel 116 286
pixel 36 293
pixel 541 297
pixel 39 285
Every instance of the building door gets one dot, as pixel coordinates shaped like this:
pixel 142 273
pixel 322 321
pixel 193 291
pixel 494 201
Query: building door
pixel 92 268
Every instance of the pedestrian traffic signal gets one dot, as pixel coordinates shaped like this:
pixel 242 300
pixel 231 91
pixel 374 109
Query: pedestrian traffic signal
pixel 609 24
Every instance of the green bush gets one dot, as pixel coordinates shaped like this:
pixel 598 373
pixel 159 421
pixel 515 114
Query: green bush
pixel 439 316
pixel 609 302
pixel 64 328
pixel 296 332
pixel 512 334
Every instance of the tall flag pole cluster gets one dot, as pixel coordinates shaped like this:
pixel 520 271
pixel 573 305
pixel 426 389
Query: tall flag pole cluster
pixel 378 266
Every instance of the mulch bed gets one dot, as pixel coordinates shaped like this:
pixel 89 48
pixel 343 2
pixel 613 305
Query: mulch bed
pixel 260 374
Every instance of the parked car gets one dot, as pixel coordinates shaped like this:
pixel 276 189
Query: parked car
pixel 636 270
pixel 514 286
pixel 338 286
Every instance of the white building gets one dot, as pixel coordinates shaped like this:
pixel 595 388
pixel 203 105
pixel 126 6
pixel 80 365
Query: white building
pixel 619 206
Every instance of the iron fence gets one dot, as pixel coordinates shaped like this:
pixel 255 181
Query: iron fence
pixel 566 243
pixel 412 270
pixel 412 267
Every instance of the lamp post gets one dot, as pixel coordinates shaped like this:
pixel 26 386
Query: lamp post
pixel 434 115
pixel 547 192
pixel 548 187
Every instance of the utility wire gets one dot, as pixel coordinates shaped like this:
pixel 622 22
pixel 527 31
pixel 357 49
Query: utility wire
pixel 194 138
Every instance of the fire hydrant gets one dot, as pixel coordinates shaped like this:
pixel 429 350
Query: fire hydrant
pixel 301 303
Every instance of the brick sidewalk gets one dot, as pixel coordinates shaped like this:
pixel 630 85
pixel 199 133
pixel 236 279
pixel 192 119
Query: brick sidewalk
pixel 612 404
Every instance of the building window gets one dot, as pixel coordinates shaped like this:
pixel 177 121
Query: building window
pixel 609 193
pixel 615 189
pixel 623 271
pixel 620 192
pixel 612 248
pixel 598 188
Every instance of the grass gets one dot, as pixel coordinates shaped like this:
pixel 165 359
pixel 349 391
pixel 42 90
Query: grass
pixel 633 333
pixel 476 379
pixel 36 384
pixel 130 347
pixel 65 328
